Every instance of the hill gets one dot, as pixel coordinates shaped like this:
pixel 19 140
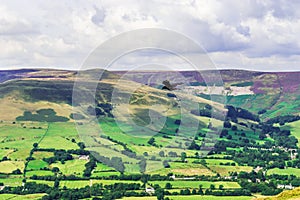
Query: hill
pixel 71 135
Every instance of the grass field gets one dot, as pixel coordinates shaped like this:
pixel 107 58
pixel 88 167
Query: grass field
pixel 224 170
pixel 18 138
pixel 218 161
pixel 195 184
pixel 59 136
pixel 36 164
pixel 110 128
pixel 287 171
pixel 39 173
pixel 11 181
pixel 71 167
pixel 188 169
pixel 39 155
pixel 7 167
pixel 20 197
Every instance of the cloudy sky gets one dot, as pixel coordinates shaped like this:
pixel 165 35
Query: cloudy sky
pixel 248 34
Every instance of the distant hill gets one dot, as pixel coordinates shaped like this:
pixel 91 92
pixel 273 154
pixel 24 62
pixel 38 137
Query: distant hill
pixel 269 93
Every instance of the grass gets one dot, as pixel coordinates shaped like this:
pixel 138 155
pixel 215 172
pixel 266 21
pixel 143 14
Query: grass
pixel 39 173
pixel 7 167
pixel 58 136
pixel 287 171
pixel 107 152
pixel 110 128
pixel 36 165
pixel 71 167
pixel 11 181
pixel 218 161
pixel 224 170
pixel 153 165
pixel 188 169
pixel 195 184
pixel 21 197
pixel 38 155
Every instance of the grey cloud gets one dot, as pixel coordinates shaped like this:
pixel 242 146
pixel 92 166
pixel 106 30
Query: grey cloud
pixel 99 17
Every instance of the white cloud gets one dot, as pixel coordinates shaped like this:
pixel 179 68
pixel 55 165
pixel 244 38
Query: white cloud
pixel 241 34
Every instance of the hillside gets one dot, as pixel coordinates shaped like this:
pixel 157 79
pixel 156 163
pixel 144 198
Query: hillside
pixel 61 140
pixel 247 89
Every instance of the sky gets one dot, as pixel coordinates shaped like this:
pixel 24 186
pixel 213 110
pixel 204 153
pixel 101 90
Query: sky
pixel 249 34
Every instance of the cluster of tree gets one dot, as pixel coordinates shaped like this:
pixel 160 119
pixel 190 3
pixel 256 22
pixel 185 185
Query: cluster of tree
pixel 235 112
pixel 133 177
pixel 151 141
pixel 283 119
pixel 59 155
pixel 262 187
pixel 294 163
pixel 89 167
pixel 28 188
pixel 43 115
pixel 258 157
pixel 221 192
pixel 70 151
pixel 194 146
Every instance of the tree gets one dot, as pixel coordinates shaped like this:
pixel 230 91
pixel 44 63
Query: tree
pixel 35 145
pixel 151 141
pixel 81 145
pixel 183 156
pixel 145 154
pixel 168 186
pixel 221 187
pixel 144 179
pixel 55 169
pixel 229 137
pixel 194 146
pixel 56 183
pixel 161 154
pixel 160 194
pixel 17 171
pixel 212 187
pixel 200 191
pixel 234 128
pixel 227 124
pixel 166 164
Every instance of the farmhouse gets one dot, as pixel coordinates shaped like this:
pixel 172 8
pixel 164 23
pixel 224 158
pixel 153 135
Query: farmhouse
pixel 150 190
pixel 84 157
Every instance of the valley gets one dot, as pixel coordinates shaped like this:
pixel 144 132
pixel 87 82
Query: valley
pixel 160 144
